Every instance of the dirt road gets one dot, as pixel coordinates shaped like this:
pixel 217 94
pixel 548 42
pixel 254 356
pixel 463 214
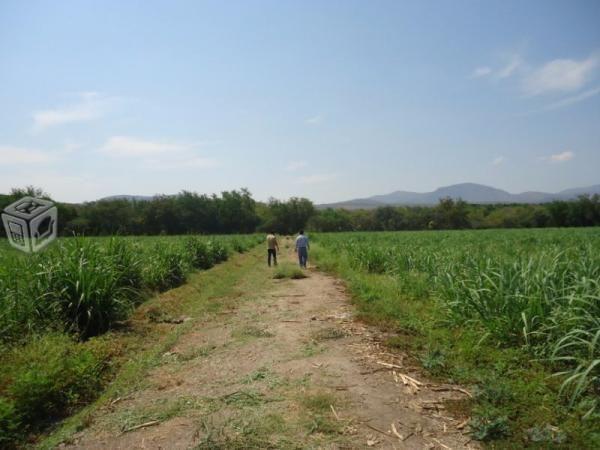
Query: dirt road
pixel 286 368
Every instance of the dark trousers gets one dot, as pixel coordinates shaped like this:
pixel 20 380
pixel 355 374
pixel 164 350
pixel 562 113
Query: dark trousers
pixel 302 256
pixel 271 252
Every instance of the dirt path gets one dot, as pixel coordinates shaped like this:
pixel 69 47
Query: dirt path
pixel 286 369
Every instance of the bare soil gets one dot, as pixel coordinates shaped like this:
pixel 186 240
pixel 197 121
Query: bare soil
pixel 289 368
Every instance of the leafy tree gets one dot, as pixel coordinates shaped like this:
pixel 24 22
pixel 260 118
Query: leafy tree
pixel 451 214
pixel 287 217
pixel 331 220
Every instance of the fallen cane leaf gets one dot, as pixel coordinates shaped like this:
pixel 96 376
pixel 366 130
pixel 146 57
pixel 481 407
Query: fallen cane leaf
pixel 376 429
pixel 334 412
pixel 143 425
pixel 398 435
pixel 461 425
pixel 440 444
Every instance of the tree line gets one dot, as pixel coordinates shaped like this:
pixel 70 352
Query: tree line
pixel 237 212
pixel 185 213
pixel 451 214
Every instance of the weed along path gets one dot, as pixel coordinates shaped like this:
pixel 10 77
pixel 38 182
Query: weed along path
pixel 280 364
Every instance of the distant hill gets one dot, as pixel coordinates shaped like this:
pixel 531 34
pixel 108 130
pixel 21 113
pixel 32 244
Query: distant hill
pixel 138 198
pixel 469 192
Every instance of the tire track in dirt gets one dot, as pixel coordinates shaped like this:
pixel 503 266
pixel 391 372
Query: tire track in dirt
pixel 289 368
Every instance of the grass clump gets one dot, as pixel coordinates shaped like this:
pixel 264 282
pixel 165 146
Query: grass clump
pixel 244 398
pixel 253 332
pixel 289 271
pixel 311 349
pixel 260 374
pixel 328 333
pixel 263 375
pixel 318 414
pixel 199 352
pixel 161 410
pixel 434 361
pixel 489 427
pixel 253 433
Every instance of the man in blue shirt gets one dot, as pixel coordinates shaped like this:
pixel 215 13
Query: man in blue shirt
pixel 302 247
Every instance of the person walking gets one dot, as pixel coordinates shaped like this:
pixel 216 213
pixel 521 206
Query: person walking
pixel 302 247
pixel 272 248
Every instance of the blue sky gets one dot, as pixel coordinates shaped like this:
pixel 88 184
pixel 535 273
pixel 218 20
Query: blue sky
pixel 329 100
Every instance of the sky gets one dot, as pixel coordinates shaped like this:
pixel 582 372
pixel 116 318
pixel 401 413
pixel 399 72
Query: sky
pixel 329 100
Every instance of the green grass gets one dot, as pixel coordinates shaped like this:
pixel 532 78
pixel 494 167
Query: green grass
pixel 265 376
pixel 161 410
pixel 288 270
pixel 515 314
pixel 254 432
pixel 251 331
pixel 311 349
pixel 318 416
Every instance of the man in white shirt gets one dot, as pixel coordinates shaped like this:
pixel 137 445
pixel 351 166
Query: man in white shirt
pixel 272 248
pixel 302 247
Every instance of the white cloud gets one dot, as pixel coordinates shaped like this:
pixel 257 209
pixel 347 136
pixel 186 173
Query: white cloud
pixel 562 157
pixel 316 178
pixel 10 155
pixel 498 160
pixel 158 155
pixel 573 99
pixel 296 165
pixel 560 75
pixel 559 157
pixel 514 63
pixel 126 146
pixel 184 162
pixel 509 68
pixel 89 106
pixel 481 72
pixel 314 120
pixel 553 77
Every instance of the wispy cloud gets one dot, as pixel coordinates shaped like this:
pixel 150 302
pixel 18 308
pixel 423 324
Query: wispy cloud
pixel 561 75
pixel 296 165
pixel 314 120
pixel 316 178
pixel 89 106
pixel 559 157
pixel 126 146
pixel 562 157
pixel 481 72
pixel 181 162
pixel 558 76
pixel 509 67
pixel 498 161
pixel 158 154
pixel 10 155
pixel 572 100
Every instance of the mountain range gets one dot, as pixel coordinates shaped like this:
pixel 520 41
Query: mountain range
pixel 469 192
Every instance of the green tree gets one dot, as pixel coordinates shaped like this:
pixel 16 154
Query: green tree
pixel 287 217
